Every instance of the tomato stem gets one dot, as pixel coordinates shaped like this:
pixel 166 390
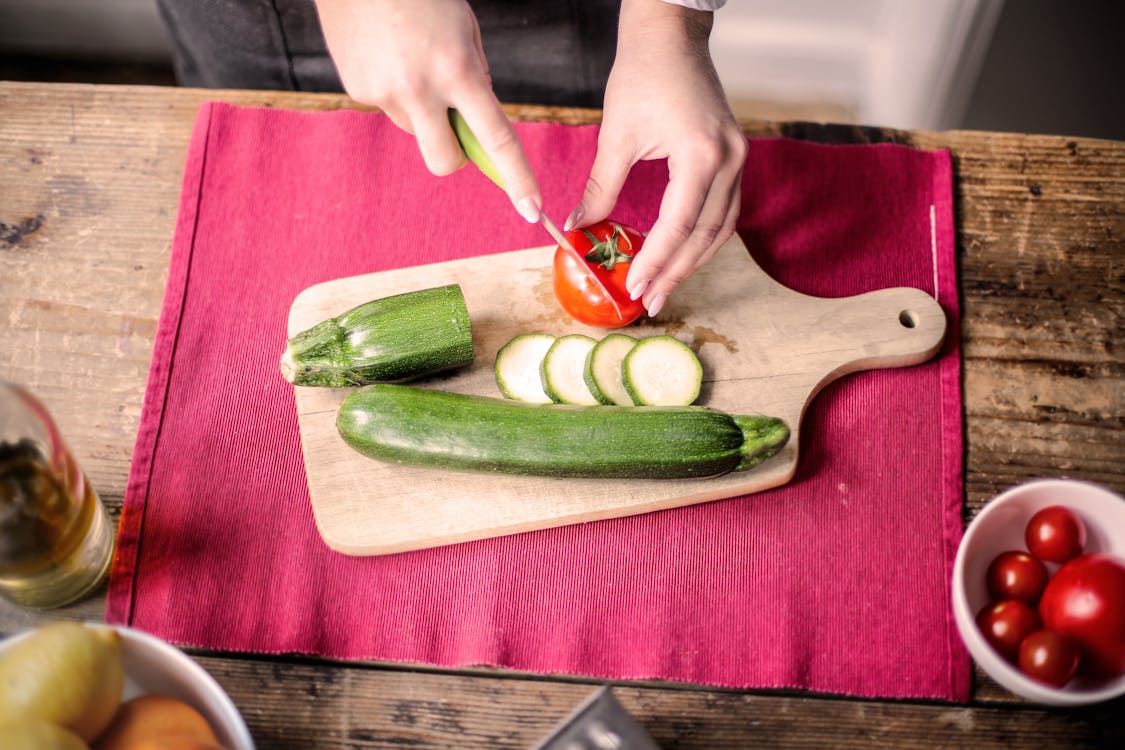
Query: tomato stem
pixel 606 252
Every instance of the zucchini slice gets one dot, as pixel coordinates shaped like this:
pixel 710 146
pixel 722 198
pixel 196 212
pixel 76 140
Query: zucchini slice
pixel 517 367
pixel 563 367
pixel 603 369
pixel 662 371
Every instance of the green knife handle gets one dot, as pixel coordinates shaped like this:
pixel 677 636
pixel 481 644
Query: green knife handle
pixel 473 149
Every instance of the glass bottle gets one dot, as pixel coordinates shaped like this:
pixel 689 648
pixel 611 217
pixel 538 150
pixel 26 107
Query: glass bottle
pixel 56 542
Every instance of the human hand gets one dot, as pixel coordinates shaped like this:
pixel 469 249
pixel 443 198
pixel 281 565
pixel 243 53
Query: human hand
pixel 417 59
pixel 664 100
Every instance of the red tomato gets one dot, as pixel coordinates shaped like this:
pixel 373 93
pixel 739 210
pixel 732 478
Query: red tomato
pixel 1016 575
pixel 1048 657
pixel 1055 534
pixel 1005 624
pixel 608 248
pixel 1085 600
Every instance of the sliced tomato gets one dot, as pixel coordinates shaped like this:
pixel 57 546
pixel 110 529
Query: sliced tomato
pixel 608 248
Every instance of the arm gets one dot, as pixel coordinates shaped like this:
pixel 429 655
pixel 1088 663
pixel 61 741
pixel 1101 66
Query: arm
pixel 416 59
pixel 664 100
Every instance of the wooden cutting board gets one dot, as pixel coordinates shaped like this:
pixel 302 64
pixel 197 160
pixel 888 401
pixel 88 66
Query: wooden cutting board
pixel 764 348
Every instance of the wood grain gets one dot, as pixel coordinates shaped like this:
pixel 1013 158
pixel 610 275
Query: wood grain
pixel 90 189
pixel 797 345
pixel 396 707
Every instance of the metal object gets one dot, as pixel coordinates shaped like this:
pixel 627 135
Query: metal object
pixel 599 723
pixel 559 237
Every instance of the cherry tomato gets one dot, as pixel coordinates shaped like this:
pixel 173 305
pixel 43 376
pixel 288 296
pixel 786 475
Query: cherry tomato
pixel 1005 624
pixel 1055 534
pixel 609 249
pixel 1016 575
pixel 1048 657
pixel 1085 600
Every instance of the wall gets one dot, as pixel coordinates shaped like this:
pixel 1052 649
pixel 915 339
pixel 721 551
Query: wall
pixel 117 29
pixel 902 63
pixel 1054 67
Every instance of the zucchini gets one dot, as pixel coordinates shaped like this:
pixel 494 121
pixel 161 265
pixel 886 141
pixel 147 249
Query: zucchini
pixel 562 370
pixel 603 369
pixel 436 429
pixel 662 371
pixel 517 367
pixel 393 338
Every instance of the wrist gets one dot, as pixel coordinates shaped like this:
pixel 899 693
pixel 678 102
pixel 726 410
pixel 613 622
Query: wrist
pixel 657 21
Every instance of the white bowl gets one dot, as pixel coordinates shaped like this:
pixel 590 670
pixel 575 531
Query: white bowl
pixel 1000 526
pixel 153 666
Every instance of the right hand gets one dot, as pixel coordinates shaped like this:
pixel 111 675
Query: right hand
pixel 417 59
pixel 664 101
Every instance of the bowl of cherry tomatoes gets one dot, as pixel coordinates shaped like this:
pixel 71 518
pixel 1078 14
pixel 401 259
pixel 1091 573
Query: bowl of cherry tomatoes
pixel 1039 591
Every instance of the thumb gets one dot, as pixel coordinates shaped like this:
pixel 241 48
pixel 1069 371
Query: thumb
pixel 607 176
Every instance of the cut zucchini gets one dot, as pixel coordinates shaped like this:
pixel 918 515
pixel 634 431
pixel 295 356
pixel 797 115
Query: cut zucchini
pixel 603 369
pixel 563 367
pixel 662 371
pixel 393 338
pixel 517 367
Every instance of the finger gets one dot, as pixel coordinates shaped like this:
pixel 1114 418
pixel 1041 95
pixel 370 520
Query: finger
pixel 436 140
pixel 397 115
pixel 728 228
pixel 612 163
pixel 679 211
pixel 486 118
pixel 478 45
pixel 696 231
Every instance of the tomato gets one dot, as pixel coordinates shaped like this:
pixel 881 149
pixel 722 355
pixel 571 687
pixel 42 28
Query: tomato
pixel 609 249
pixel 1085 600
pixel 1048 657
pixel 1055 534
pixel 1005 624
pixel 1016 575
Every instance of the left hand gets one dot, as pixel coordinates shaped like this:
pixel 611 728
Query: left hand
pixel 664 100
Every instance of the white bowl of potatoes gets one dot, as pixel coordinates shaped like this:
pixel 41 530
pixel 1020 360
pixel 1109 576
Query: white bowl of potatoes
pixel 72 685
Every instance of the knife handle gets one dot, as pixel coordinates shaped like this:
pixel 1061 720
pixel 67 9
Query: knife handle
pixel 472 148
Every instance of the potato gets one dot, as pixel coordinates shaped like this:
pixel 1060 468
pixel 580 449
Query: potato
pixel 64 673
pixel 157 721
pixel 37 734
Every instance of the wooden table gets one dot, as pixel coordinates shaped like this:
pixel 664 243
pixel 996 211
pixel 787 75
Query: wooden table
pixel 88 199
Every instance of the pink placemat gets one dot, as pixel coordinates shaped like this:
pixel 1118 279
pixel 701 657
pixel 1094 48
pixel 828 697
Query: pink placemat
pixel 837 582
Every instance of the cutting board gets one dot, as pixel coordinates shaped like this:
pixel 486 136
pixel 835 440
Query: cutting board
pixel 765 349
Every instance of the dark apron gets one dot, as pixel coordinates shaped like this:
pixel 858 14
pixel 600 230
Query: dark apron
pixel 553 52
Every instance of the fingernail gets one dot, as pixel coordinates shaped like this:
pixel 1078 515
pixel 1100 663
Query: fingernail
pixel 638 289
pixel 656 304
pixel 528 209
pixel 575 217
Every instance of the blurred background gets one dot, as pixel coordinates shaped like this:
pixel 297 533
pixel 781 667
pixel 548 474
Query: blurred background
pixel 1036 66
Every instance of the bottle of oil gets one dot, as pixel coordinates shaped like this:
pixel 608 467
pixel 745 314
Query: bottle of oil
pixel 56 543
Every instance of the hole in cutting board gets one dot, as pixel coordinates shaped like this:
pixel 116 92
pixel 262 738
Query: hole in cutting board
pixel 908 318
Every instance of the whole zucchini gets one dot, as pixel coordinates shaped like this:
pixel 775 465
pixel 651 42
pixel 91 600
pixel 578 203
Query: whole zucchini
pixel 393 338
pixel 436 429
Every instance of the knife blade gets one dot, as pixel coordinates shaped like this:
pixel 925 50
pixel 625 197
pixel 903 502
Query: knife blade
pixel 476 154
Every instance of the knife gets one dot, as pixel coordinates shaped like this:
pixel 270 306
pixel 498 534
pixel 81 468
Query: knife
pixel 476 154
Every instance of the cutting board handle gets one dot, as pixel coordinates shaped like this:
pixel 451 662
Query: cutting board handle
pixel 895 327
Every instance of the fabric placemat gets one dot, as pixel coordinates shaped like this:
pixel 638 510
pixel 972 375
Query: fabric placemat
pixel 837 582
